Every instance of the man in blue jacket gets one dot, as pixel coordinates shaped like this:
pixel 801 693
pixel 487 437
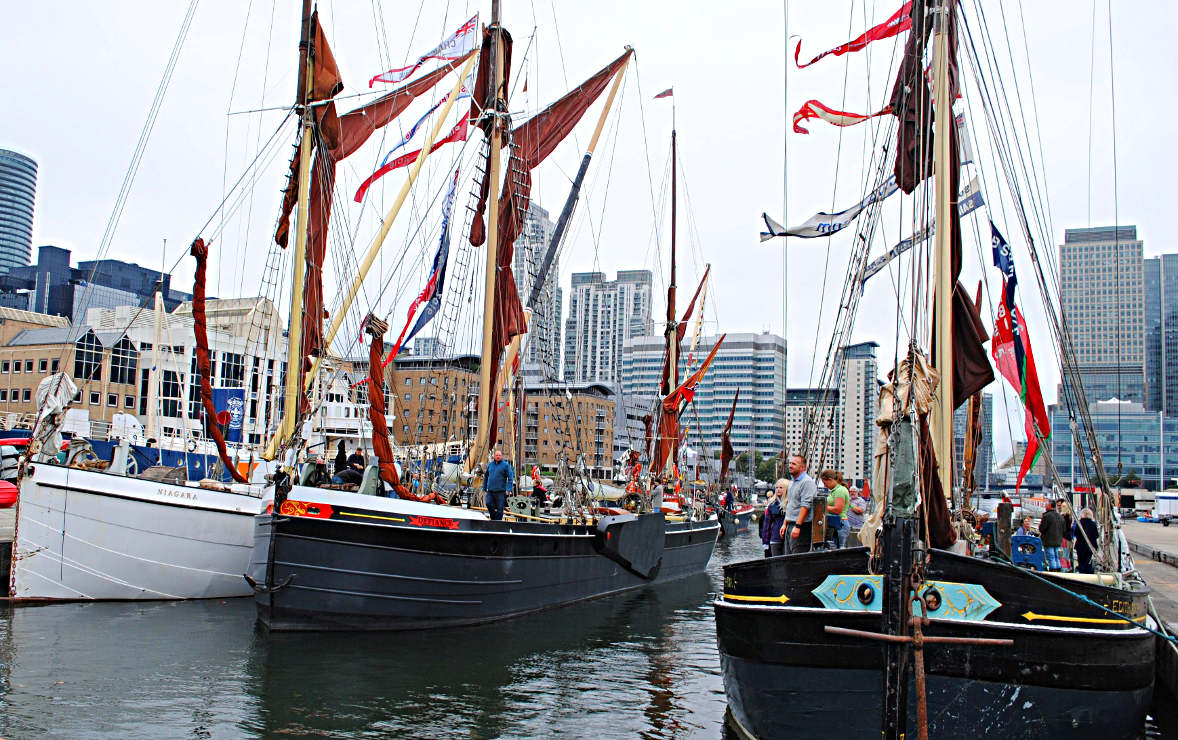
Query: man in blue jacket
pixel 497 483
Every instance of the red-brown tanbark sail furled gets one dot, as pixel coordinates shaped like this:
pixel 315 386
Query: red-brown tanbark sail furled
pixel 681 327
pixel 200 329
pixel 667 443
pixel 726 450
pixel 336 137
pixel 531 143
pixel 483 99
pixel 376 408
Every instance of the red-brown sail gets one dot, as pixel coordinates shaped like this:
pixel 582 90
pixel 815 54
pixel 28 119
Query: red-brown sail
pixel 200 329
pixel 681 328
pixel 336 138
pixel 531 143
pixel 668 429
pixel 726 450
pixel 376 408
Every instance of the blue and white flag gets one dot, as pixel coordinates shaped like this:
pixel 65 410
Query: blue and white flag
pixel 825 224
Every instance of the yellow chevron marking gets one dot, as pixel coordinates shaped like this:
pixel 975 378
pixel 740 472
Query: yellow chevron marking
pixel 737 597
pixel 1032 616
pixel 373 516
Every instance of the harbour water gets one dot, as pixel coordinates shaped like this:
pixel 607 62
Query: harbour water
pixel 641 664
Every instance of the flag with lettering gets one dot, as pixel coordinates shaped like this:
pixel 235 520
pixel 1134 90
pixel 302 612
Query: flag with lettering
pixel 452 47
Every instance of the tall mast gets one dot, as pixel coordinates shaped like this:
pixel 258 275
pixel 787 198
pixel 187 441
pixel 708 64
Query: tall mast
pixel 486 391
pixel 294 362
pixel 943 314
pixel 672 326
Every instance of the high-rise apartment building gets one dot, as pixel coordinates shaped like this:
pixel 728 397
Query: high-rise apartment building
pixel 984 462
pixel 18 193
pixel 542 349
pixel 603 315
pixel 1161 334
pixel 1102 292
pixel 859 400
pixel 753 363
pixel 813 420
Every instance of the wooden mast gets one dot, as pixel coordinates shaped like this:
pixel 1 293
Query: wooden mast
pixel 672 325
pixel 943 309
pixel 294 361
pixel 486 391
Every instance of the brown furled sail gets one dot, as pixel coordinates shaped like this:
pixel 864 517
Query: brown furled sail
pixel 681 327
pixel 726 451
pixel 376 411
pixel 531 143
pixel 336 138
pixel 200 328
pixel 667 442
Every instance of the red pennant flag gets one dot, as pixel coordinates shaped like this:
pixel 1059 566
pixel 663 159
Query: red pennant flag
pixel 458 133
pixel 814 109
pixel 665 93
pixel 899 22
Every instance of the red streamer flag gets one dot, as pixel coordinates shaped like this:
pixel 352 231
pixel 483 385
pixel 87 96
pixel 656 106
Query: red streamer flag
pixel 458 133
pixel 814 109
pixel 899 22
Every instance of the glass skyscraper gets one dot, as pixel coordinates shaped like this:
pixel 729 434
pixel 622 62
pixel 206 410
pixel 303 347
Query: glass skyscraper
pixel 1131 438
pixel 1103 299
pixel 1161 333
pixel 18 192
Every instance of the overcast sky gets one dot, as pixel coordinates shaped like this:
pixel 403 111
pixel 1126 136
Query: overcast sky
pixel 81 77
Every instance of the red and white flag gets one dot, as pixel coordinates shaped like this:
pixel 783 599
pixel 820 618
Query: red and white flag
pixel 452 47
pixel 814 109
pixel 899 22
pixel 665 93
pixel 458 133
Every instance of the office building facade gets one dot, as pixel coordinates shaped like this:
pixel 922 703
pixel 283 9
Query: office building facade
pixel 752 363
pixel 18 196
pixel 814 423
pixel 603 316
pixel 1102 293
pixel 1132 439
pixel 1161 333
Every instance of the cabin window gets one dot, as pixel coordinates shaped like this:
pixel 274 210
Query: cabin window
pixel 88 358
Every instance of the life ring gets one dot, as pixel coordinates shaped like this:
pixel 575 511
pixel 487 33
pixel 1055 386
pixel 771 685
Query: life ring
pixel 191 446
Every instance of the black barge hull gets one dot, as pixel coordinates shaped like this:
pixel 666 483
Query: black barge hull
pixel 328 574
pixel 1073 671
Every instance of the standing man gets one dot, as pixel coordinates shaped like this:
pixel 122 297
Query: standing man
pixel 1051 532
pixel 798 505
pixel 497 483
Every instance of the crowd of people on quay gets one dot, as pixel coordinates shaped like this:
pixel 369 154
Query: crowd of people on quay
pixel 787 520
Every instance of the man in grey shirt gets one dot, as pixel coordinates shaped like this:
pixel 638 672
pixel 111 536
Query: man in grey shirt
pixel 798 507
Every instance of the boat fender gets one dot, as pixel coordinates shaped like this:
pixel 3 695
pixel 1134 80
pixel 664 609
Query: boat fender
pixel 635 542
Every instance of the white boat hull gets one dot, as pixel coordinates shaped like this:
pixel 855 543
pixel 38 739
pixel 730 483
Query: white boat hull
pixel 86 535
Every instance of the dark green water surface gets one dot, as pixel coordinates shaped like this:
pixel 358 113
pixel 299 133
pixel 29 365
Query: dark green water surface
pixel 642 664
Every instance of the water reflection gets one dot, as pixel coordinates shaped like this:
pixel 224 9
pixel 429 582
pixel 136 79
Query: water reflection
pixel 639 664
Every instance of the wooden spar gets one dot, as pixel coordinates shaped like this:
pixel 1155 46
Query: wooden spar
pixel 478 449
pixel 943 309
pixel 370 257
pixel 294 361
